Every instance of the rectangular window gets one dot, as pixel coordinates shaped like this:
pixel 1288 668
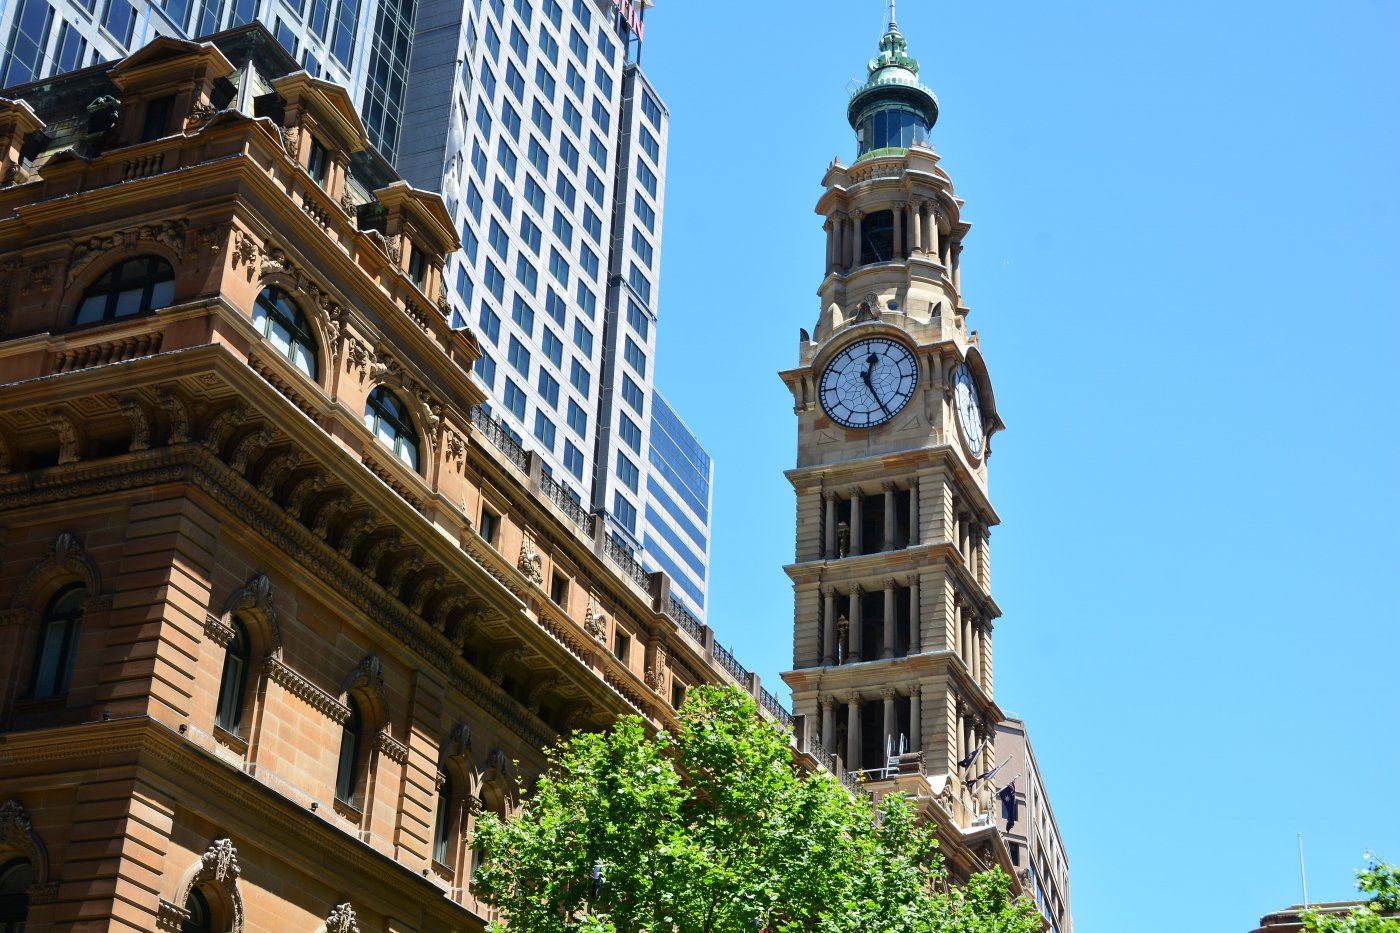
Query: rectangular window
pixel 417 264
pixel 72 45
pixel 554 12
pixel 630 432
pixel 559 267
pixel 649 144
pixel 589 260
pixel 524 11
pixel 562 229
pixel 474 200
pixel 639 282
pixel 523 316
pixel 486 371
pixel 505 156
pixel 515 399
pixel 510 119
pixel 488 526
pixel 627 472
pixel 118 18
pixel 479 159
pixel 573 459
pixel 579 378
pixel 574 80
pixel 549 389
pixel 578 419
pixel 632 393
pixel 539 158
pixel 488 85
pixel 469 243
pixel 625 512
pixel 582 13
pixel 565 189
pixel 498 239
pixel 598 150
pixel 495 281
pixel 544 430
pixel 555 307
pixel 515 81
pixel 539 115
pixel 621 645
pixel 464 287
pixel 603 79
pixel 596 190
pixel 635 357
pixel 583 338
pixel 529 233
pixel 493 42
pixel 592 225
pixel 553 346
pixel 490 323
pixel 500 196
pixel 579 46
pixel 559 590
pixel 643 211
pixel 157 122
pixel 651 109
pixel 544 80
pixel 519 357
pixel 605 45
pixel 638 319
pixel 569 153
pixel 642 246
pixel 586 300
pixel 601 115
pixel 572 118
pixel 346 31
pixel 518 43
pixel 534 194
pixel 646 176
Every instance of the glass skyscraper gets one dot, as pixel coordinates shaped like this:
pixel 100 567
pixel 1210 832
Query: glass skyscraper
pixel 534 120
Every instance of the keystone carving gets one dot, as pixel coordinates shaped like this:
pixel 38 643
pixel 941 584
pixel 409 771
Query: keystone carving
pixel 342 918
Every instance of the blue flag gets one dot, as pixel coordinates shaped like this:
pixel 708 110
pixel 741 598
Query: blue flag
pixel 1009 804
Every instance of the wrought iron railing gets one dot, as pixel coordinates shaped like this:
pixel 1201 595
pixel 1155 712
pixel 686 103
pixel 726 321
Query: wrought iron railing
pixel 621 555
pixel 495 432
pixel 730 663
pixel 688 623
pixel 558 493
pixel 770 703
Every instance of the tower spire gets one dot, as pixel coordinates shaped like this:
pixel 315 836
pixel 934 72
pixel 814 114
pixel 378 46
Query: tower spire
pixel 892 20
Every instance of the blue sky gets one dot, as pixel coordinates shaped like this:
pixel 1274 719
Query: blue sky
pixel 1182 266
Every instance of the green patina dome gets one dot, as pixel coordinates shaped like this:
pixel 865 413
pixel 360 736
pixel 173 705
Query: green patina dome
pixel 893 83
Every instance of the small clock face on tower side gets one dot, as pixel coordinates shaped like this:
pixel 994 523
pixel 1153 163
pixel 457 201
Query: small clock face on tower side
pixel 868 382
pixel 969 408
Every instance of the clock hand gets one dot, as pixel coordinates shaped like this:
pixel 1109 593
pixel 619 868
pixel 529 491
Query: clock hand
pixel 865 374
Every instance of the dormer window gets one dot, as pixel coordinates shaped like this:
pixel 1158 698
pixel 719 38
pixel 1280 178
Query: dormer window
pixel 157 120
pixel 318 162
pixel 417 264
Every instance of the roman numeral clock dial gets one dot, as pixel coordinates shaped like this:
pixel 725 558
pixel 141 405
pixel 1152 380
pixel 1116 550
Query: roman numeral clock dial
pixel 867 383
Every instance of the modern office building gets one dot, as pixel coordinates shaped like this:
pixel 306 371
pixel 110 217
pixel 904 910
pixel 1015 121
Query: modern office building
pixel 281 611
pixel 536 123
pixel 1033 836
pixel 678 503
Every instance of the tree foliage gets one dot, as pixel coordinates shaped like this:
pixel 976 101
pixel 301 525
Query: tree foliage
pixel 713 830
pixel 1381 880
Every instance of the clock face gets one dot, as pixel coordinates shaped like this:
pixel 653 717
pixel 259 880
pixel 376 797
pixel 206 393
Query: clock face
pixel 969 408
pixel 868 382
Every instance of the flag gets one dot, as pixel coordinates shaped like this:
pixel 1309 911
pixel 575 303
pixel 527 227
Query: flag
pixel 1009 804
pixel 984 776
pixel 972 755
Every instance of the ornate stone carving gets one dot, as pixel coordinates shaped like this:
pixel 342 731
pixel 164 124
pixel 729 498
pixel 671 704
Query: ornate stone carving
pixel 170 918
pixel 332 510
pixel 298 686
pixel 425 591
pixel 843 539
pixel 249 447
pixel 217 632
pixel 210 239
pixel 179 415
pixel 594 622
pixel 68 439
pixel 370 562
pixel 200 114
pixel 530 563
pixel 342 920
pixel 410 565
pixel 535 693
pixel 512 655
pixel 277 469
pixel 302 491
pixel 245 251
pixel 222 425
pixel 40 276
pixel 656 673
pixel 140 423
pixel 390 747
pixel 17 832
pixel 289 140
pixel 84 254
pixel 356 531
pixel 220 863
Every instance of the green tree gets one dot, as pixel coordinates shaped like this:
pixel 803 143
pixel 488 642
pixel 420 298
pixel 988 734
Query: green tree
pixel 1381 880
pixel 714 830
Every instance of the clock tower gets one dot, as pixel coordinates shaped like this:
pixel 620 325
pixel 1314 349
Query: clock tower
pixel 892 641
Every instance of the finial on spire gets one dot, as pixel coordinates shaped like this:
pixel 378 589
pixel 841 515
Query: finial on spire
pixel 892 22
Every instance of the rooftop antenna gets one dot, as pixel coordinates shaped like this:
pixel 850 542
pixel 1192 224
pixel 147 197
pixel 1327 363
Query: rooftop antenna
pixel 1302 870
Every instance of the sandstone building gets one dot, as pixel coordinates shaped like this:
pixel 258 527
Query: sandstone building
pixel 281 608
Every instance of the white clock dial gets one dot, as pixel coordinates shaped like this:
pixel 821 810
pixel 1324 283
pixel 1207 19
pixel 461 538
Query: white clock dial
pixel 868 382
pixel 969 407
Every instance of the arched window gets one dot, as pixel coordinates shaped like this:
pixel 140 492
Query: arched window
pixel 348 773
pixel 229 715
pixel 15 879
pixel 443 827
pixel 201 917
pixel 388 420
pixel 58 637
pixel 282 322
pixel 131 287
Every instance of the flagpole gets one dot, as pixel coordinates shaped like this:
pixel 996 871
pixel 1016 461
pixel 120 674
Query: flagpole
pixel 1303 871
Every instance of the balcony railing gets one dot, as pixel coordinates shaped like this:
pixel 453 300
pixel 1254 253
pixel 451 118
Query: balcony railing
pixel 621 555
pixel 688 623
pixel 557 493
pixel 770 703
pixel 496 433
pixel 730 663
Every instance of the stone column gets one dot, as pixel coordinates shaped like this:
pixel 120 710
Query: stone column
pixel 916 730
pixel 915 534
pixel 916 226
pixel 829 549
pixel 916 625
pixel 829 626
pixel 891 722
pixel 838 242
pixel 933 233
pixel 977 651
pixel 828 724
pixel 887 649
pixel 857 537
pixel 855 239
pixel 958 641
pixel 974 534
pixel 897 248
pixel 956 250
pixel 853 762
pixel 854 616
pixel 890 489
pixel 960 737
